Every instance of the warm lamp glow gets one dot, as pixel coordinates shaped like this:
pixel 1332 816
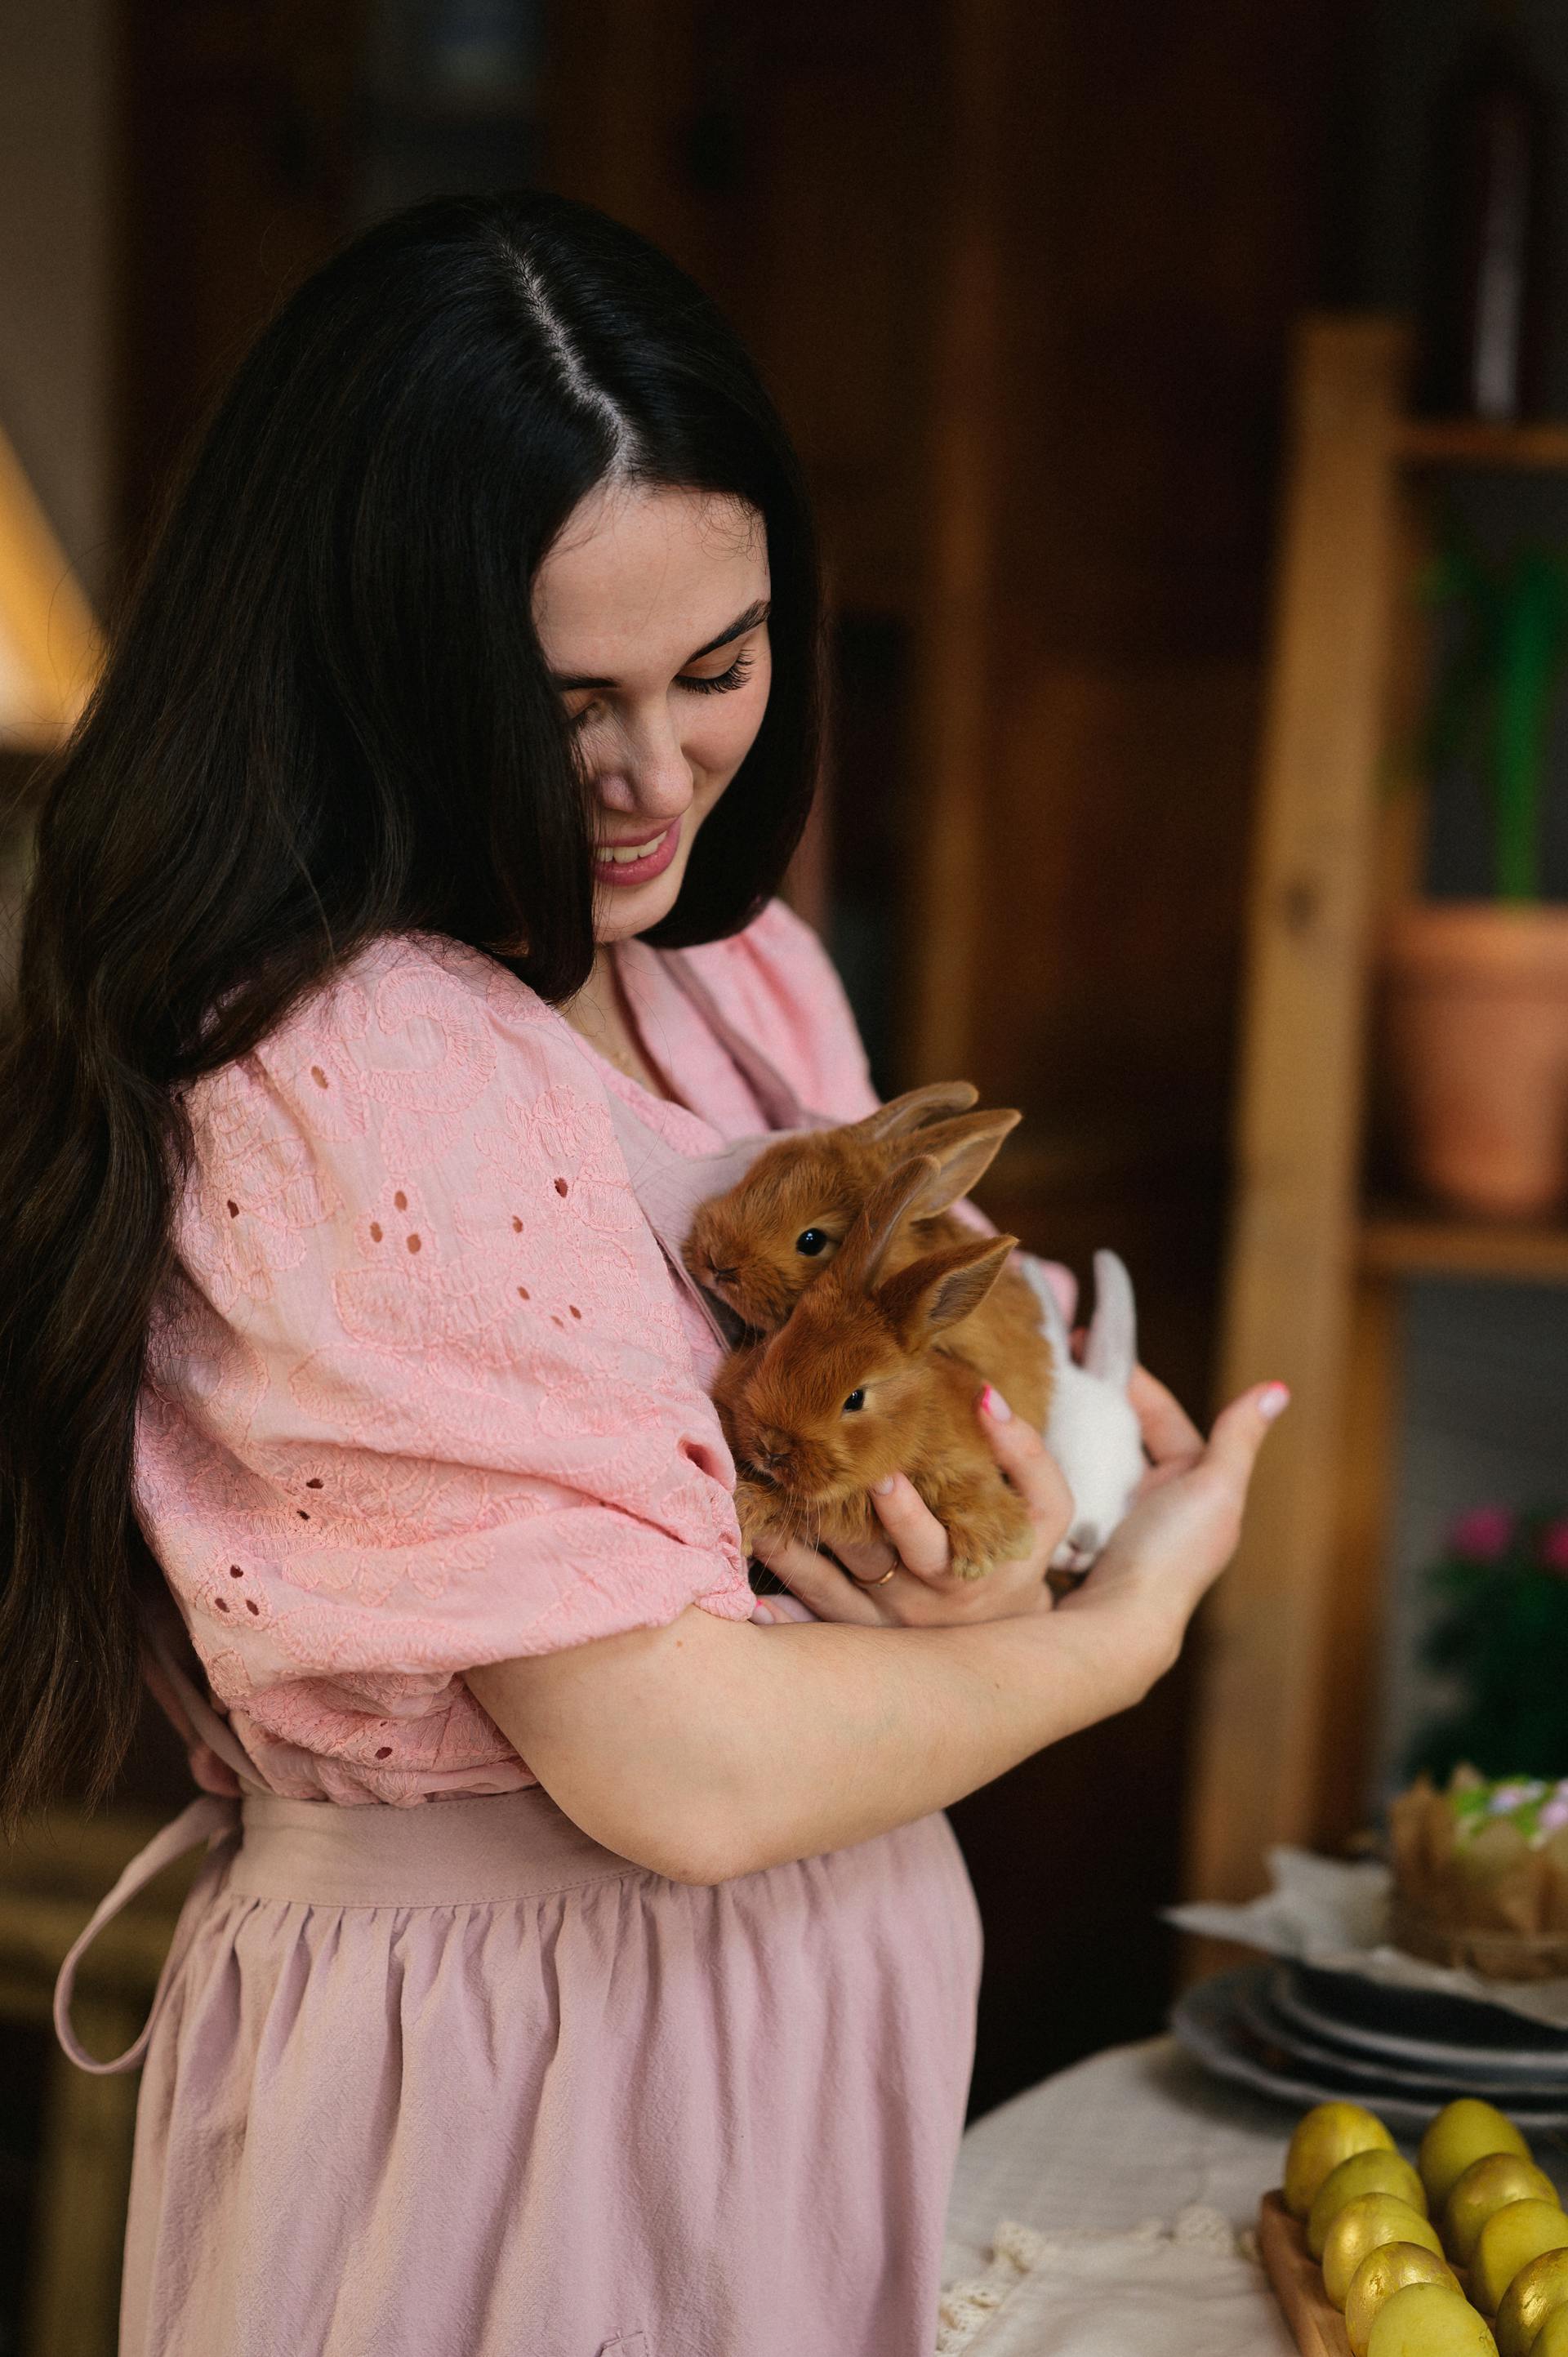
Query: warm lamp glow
pixel 50 647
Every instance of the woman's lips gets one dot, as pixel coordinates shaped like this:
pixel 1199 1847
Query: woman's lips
pixel 652 858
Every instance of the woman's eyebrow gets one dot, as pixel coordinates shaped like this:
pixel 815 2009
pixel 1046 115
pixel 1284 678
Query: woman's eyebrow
pixel 754 614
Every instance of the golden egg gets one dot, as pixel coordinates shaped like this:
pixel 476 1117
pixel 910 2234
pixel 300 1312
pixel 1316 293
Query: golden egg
pixel 1382 2273
pixel 1429 2320
pixel 1361 2226
pixel 1510 2238
pixel 1538 2290
pixel 1324 2136
pixel 1464 2131
pixel 1372 2171
pixel 1489 2184
pixel 1552 2341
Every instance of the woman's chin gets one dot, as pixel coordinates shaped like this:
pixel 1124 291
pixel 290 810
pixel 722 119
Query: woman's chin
pixel 623 911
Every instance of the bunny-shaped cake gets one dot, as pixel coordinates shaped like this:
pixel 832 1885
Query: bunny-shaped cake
pixel 876 1369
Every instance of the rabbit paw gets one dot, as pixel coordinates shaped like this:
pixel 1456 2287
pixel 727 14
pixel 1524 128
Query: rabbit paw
pixel 983 1535
pixel 759 1512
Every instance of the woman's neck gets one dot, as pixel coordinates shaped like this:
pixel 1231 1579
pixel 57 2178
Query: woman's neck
pixel 599 1013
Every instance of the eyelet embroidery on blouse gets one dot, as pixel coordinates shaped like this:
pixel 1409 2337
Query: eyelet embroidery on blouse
pixel 366 1426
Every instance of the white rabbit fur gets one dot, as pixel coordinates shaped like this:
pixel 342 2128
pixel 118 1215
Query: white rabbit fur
pixel 1092 1430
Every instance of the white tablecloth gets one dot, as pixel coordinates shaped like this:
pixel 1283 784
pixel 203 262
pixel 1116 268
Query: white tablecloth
pixel 1119 2190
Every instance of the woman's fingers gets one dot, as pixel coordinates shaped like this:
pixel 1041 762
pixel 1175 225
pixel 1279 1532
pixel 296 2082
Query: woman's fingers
pixel 866 1559
pixel 819 1582
pixel 917 1539
pixel 778 1611
pixel 1028 1465
pixel 1168 1430
pixel 1240 1431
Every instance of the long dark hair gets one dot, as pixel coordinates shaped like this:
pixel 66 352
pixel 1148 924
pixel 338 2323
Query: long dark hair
pixel 326 717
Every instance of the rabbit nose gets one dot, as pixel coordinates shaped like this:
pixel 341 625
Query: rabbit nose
pixel 723 1275
pixel 773 1447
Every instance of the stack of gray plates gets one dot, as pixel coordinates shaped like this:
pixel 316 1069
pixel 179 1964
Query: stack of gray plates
pixel 1309 2037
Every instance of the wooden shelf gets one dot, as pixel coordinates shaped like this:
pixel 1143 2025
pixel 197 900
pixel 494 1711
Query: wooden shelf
pixel 1288 1703
pixel 1462 442
pixel 1410 1242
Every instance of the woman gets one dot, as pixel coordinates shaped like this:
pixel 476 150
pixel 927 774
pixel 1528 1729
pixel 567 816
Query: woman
pixel 402 915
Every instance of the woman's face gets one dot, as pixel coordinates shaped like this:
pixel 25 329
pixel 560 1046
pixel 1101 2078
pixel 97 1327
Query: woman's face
pixel 651 609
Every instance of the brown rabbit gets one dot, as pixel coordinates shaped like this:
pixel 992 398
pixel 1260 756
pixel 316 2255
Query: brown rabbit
pixel 761 1245
pixel 876 1371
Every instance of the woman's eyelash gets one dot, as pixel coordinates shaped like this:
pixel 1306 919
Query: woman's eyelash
pixel 736 676
pixel 733 677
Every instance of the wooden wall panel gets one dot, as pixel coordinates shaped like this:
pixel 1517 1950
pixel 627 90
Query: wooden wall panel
pixel 237 167
pixel 1158 230
pixel 784 157
pixel 1115 853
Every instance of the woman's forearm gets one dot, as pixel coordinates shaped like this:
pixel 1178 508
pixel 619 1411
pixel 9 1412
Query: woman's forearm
pixel 713 1748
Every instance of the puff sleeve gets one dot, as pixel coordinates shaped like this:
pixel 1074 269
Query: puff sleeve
pixel 420 1397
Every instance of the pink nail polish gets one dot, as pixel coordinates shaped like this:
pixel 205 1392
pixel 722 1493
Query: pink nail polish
pixel 992 1403
pixel 1273 1401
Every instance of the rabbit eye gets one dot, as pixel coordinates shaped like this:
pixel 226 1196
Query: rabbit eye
pixel 854 1403
pixel 810 1242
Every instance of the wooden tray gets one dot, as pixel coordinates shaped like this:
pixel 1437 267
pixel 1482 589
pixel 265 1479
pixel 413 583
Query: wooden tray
pixel 1297 2279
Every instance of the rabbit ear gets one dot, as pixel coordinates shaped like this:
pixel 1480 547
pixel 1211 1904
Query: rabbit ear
pixel 946 1286
pixel 865 1248
pixel 1111 1352
pixel 901 1114
pixel 964 1151
pixel 1052 1320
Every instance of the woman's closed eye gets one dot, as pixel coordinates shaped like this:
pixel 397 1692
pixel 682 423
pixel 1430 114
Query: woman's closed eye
pixel 721 684
pixel 722 681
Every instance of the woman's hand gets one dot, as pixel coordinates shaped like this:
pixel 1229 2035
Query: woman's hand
pixel 1161 1561
pixel 1183 1527
pixel 922 1591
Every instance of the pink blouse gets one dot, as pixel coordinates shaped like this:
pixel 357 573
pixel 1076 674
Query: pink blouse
pixel 422 1395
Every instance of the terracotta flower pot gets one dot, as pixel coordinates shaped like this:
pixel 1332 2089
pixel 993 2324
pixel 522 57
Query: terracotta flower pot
pixel 1476 1002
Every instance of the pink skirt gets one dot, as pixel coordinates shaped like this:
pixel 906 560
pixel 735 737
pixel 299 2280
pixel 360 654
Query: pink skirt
pixel 454 2081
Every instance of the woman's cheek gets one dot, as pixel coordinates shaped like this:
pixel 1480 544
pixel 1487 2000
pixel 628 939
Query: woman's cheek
pixel 727 736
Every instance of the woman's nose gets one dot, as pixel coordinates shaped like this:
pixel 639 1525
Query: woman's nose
pixel 653 777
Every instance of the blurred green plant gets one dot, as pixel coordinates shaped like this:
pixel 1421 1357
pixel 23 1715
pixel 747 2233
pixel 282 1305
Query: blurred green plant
pixel 1500 1637
pixel 1497 685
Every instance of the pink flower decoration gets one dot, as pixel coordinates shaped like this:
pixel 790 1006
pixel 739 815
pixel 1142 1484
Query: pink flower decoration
pixel 1554 1545
pixel 1483 1533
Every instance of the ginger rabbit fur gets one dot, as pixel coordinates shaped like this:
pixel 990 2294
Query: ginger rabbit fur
pixel 876 1370
pixel 759 1246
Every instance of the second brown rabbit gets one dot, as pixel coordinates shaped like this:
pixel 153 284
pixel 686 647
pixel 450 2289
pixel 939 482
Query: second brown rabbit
pixel 774 1233
pixel 876 1370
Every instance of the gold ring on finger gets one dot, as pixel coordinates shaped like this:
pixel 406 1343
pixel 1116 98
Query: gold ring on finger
pixel 880 1581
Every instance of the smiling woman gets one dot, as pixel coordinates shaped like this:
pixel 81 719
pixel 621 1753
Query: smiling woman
pixel 651 610
pixel 403 920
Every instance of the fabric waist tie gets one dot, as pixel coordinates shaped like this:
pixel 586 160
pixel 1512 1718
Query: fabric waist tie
pixel 484 1849
pixel 211 1819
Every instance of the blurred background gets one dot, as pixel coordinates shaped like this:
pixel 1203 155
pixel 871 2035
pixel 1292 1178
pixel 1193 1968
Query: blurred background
pixel 1180 382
